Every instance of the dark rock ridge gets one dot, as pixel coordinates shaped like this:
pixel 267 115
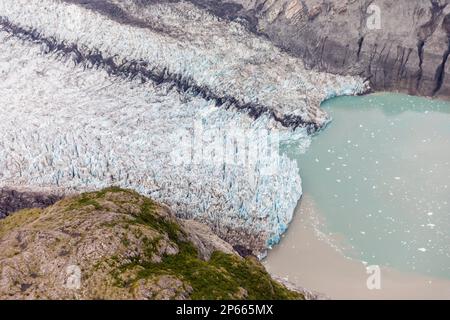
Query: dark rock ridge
pixel 145 71
pixel 12 200
pixel 408 53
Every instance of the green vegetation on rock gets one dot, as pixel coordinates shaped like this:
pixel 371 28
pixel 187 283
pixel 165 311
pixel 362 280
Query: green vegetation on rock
pixel 126 247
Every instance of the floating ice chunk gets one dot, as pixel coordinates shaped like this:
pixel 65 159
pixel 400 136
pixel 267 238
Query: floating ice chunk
pixel 422 249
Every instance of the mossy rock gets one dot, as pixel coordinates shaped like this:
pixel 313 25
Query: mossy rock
pixel 117 244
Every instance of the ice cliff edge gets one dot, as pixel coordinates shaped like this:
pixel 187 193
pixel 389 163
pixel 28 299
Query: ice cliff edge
pixel 91 101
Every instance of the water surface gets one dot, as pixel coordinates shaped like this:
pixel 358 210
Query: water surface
pixel 379 177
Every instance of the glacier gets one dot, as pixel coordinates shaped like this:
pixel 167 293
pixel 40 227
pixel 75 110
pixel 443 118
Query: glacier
pixel 88 101
pixel 183 40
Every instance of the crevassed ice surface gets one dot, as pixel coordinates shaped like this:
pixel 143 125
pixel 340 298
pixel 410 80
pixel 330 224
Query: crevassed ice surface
pixel 74 127
pixel 185 40
pixel 380 176
pixel 80 129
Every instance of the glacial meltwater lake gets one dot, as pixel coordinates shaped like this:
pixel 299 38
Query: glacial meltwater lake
pixel 378 178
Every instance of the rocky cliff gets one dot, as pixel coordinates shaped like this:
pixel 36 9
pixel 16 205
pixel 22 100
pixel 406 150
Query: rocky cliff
pixel 399 45
pixel 116 244
pixel 15 199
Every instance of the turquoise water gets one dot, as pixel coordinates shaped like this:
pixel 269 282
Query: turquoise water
pixel 380 176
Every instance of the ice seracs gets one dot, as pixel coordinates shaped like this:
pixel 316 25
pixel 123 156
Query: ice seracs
pixel 183 40
pixel 79 130
pixel 90 101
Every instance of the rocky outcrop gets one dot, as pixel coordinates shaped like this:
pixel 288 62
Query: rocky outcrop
pixel 12 200
pixel 397 45
pixel 116 244
pixel 309 295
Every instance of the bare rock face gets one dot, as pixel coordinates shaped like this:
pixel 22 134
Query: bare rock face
pixel 309 295
pixel 116 244
pixel 204 240
pixel 399 45
pixel 12 200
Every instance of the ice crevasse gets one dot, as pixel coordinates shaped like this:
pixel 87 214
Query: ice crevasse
pixel 89 101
